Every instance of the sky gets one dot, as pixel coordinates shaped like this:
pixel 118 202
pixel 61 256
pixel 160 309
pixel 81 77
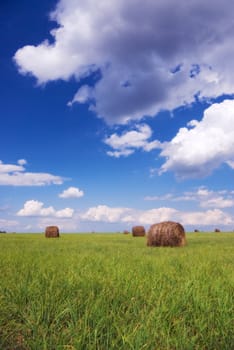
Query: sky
pixel 115 114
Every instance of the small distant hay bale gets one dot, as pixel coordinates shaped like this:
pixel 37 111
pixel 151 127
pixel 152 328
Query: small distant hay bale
pixel 196 230
pixel 166 234
pixel 217 230
pixel 126 232
pixel 138 231
pixel 52 232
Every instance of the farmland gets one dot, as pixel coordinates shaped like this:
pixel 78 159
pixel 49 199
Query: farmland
pixel 111 291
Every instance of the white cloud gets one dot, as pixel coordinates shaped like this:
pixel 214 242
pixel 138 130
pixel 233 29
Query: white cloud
pixel 72 192
pixel 217 202
pixel 135 138
pixel 15 175
pixel 68 220
pixel 212 199
pixel 198 151
pixel 122 153
pixel 64 213
pixel 152 216
pixel 82 96
pixel 174 51
pixel 206 198
pixel 10 168
pixel 129 141
pixel 230 163
pixel 36 208
pixel 209 217
pixel 22 161
pixel 103 213
pixel 8 224
pixel 167 196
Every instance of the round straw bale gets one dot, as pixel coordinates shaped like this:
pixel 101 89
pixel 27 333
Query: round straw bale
pixel 126 232
pixel 52 232
pixel 217 230
pixel 166 234
pixel 138 231
pixel 196 230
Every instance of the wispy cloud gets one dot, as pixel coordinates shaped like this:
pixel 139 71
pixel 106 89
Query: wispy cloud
pixel 8 224
pixel 16 175
pixel 205 198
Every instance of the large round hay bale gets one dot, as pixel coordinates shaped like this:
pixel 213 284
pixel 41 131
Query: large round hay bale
pixel 52 231
pixel 217 230
pixel 166 234
pixel 138 231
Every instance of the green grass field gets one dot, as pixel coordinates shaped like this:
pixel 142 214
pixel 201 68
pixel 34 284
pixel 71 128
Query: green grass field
pixel 110 291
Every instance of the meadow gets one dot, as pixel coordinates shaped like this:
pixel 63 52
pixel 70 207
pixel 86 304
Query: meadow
pixel 111 291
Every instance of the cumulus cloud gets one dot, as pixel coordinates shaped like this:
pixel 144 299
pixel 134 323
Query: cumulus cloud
pixel 128 142
pixel 153 216
pixel 203 146
pixel 202 218
pixel 36 208
pixel 207 218
pixel 103 213
pixel 152 56
pixel 72 192
pixel 196 151
pixel 16 175
pixel 64 213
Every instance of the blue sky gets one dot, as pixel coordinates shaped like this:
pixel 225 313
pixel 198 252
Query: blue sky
pixel 113 116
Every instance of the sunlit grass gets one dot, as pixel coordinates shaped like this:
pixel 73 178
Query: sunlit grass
pixel 110 291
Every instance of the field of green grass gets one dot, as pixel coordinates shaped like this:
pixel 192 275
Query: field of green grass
pixel 111 291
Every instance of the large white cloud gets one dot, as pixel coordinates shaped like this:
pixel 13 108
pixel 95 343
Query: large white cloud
pixel 196 151
pixel 39 216
pixel 36 208
pixel 103 213
pixel 16 175
pixel 203 146
pixel 153 55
